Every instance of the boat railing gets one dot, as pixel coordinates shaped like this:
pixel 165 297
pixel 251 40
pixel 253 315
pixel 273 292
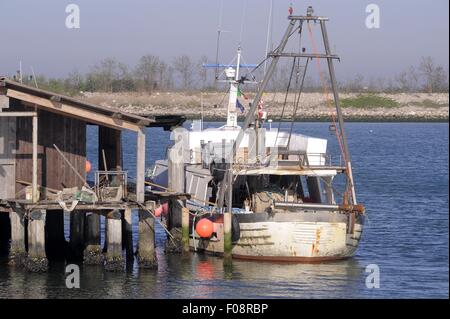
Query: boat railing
pixel 206 155
pixel 309 159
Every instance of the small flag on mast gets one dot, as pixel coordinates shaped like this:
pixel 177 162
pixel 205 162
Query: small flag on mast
pixel 240 106
pixel 239 93
pixel 291 10
pixel 260 109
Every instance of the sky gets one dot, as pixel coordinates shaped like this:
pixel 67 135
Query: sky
pixel 35 32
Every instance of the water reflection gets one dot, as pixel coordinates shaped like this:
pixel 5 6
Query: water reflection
pixel 196 276
pixel 191 276
pixel 413 262
pixel 206 277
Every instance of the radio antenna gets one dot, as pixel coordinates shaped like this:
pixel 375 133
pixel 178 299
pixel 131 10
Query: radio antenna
pixel 269 33
pixel 219 31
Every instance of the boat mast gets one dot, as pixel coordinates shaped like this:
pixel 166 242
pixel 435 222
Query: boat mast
pixel 338 109
pixel 276 54
pixel 233 78
pixel 219 31
pixel 269 33
pixel 273 64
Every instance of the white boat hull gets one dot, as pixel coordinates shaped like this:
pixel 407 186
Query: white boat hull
pixel 296 241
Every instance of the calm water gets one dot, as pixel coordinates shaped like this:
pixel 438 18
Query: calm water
pixel 401 173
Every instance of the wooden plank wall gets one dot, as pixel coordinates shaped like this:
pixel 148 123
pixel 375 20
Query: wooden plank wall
pixel 7 158
pixel 67 133
pixel 109 140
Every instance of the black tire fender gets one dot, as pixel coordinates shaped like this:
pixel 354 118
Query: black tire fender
pixel 235 229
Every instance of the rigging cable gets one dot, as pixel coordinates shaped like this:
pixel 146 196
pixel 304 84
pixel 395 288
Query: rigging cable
pixel 219 30
pixel 297 90
pixel 325 90
pixel 244 11
pixel 269 33
pixel 285 100
pixel 330 107
pixel 267 57
pixel 298 101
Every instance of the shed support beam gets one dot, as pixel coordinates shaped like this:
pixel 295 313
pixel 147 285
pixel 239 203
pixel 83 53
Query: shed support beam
pixel 17 114
pixel 35 190
pixel 140 166
pixel 74 111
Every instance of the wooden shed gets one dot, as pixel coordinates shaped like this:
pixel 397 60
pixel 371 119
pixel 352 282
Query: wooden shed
pixel 37 120
pixel 43 147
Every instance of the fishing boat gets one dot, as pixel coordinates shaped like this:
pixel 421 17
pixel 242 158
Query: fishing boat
pixel 278 186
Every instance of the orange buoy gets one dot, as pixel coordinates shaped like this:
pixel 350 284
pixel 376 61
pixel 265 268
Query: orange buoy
pixel 162 210
pixel 88 166
pixel 158 211
pixel 204 228
pixel 165 208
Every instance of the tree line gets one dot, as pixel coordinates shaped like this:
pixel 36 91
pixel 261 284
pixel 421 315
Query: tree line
pixel 183 73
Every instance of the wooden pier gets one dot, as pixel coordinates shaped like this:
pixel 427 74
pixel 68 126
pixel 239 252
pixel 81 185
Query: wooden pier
pixel 43 168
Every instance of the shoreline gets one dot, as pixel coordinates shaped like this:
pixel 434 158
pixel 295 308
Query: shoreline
pixel 351 119
pixel 408 107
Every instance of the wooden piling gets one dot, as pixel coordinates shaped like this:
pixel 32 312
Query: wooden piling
pixel 5 233
pixel 76 243
pixel 105 237
pixel 17 253
pixel 37 259
pixel 174 225
pixel 227 220
pixel 127 233
pixel 93 252
pixel 54 236
pixel 175 172
pixel 176 182
pixel 185 229
pixel 227 241
pixel 140 166
pixel 146 254
pixel 114 259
